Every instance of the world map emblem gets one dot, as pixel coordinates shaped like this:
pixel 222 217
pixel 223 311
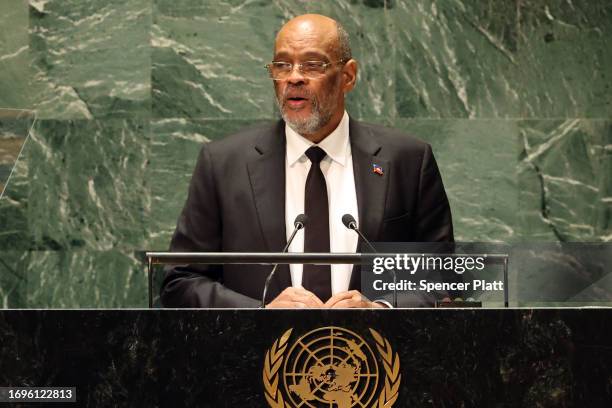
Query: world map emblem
pixel 331 367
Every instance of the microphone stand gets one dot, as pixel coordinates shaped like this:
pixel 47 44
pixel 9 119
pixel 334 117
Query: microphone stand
pixel 299 224
pixel 352 224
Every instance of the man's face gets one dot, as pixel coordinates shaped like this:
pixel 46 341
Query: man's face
pixel 308 104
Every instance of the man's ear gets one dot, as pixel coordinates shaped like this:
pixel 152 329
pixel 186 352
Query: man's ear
pixel 349 75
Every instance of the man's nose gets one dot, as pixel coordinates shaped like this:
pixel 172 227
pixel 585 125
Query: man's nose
pixel 296 76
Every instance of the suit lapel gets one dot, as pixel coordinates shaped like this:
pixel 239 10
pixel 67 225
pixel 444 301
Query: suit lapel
pixel 267 175
pixel 371 187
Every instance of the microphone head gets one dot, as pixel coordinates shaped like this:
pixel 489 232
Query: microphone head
pixel 300 221
pixel 349 221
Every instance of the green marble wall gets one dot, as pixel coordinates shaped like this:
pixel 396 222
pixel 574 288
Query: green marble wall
pixel 514 96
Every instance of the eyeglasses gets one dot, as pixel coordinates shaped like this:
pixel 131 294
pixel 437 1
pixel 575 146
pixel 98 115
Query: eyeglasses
pixel 279 70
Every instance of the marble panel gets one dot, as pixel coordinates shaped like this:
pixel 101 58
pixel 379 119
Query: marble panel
pixel 14 55
pixel 91 59
pixel 13 281
pixel 564 58
pixel 85 279
pixel 565 181
pixel 14 198
pixel 14 127
pixel 477 160
pixel 561 274
pixel 79 184
pixel 504 58
pixel 208 58
pixel 456 59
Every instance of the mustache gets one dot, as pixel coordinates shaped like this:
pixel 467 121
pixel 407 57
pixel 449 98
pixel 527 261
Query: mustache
pixel 301 91
pixel 283 100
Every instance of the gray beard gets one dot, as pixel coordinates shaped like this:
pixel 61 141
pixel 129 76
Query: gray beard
pixel 316 121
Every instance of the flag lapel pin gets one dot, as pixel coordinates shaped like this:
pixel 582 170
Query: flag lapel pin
pixel 377 169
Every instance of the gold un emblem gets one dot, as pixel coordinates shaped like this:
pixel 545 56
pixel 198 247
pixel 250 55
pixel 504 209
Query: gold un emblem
pixel 331 367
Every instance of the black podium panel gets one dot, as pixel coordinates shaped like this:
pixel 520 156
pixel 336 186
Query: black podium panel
pixel 206 358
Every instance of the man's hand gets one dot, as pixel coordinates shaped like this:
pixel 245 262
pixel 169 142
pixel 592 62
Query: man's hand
pixel 295 298
pixel 350 299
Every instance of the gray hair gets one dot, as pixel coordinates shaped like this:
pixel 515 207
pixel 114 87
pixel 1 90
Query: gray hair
pixel 344 45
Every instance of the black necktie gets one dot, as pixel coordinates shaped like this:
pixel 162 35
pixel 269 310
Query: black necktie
pixel 316 278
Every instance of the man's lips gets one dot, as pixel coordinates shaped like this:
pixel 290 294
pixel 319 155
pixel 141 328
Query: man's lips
pixel 296 102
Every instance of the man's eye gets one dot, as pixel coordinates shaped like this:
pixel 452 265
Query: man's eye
pixel 313 65
pixel 282 65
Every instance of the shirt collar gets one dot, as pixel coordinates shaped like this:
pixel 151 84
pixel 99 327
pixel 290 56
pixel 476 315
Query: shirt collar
pixel 336 144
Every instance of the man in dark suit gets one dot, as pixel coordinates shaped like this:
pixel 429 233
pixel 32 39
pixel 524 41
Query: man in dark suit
pixel 247 188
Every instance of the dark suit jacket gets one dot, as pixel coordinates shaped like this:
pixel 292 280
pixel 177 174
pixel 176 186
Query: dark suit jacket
pixel 236 203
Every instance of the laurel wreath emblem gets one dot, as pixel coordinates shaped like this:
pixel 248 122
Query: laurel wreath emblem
pixel 274 360
pixel 391 365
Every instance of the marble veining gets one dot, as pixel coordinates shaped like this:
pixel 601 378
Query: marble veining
pixel 514 97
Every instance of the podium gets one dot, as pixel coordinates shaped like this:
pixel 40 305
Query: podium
pixel 273 258
pixel 217 358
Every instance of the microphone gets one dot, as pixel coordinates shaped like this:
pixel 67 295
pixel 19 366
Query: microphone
pixel 349 222
pixel 299 223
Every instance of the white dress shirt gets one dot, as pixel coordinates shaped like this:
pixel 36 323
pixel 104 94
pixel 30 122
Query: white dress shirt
pixel 337 167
